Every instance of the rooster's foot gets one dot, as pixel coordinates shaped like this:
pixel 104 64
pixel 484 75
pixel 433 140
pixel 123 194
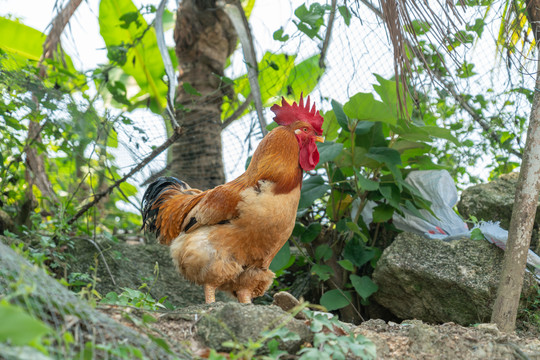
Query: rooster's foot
pixel 244 296
pixel 209 293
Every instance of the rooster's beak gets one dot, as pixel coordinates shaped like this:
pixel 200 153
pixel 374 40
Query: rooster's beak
pixel 319 139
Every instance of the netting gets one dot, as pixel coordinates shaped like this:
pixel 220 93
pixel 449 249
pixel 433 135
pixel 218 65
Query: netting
pixel 356 52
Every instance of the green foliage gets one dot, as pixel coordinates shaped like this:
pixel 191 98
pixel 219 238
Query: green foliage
pixel 278 76
pixel 132 45
pixel 19 328
pixel 486 122
pixel 78 139
pixel 529 314
pixel 136 298
pixel 371 146
pixel 335 299
pixel 311 20
pixel 333 341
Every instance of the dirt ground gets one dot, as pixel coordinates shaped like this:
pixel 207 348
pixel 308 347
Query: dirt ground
pixel 412 339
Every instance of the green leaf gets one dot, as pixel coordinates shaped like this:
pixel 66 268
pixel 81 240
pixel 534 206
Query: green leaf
pixel 439 132
pixel 466 70
pixel 21 40
pixel 303 77
pixel 330 126
pixel 364 286
pixel 344 11
pixel 357 253
pixel 477 27
pixel 24 42
pixel 322 271
pixel 384 155
pixel 143 59
pixel 420 27
pixel 310 20
pixel 345 159
pixel 367 184
pixel 335 299
pixel 323 252
pixel 363 106
pixel 312 189
pixel 363 127
pixel 410 206
pixel 112 139
pixel 161 343
pixel 190 89
pixel 342 119
pixel 282 258
pixel 391 193
pixel 19 328
pixel 346 264
pixel 388 91
pixel 298 229
pixel 272 81
pixel 128 189
pixel 476 234
pixel 382 213
pixel 278 35
pixel 356 229
pixel 312 231
pixel 328 151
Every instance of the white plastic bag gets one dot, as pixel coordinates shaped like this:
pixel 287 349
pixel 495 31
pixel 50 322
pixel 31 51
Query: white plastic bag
pixel 436 186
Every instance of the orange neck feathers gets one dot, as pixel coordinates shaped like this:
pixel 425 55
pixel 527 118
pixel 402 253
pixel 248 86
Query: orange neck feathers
pixel 276 159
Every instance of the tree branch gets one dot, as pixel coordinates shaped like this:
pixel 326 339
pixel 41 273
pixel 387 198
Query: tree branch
pixel 50 46
pixel 328 35
pixel 117 183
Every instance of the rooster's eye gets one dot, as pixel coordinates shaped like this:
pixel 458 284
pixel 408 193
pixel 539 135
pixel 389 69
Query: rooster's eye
pixel 305 129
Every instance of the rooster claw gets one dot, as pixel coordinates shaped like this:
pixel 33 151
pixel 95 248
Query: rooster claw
pixel 244 296
pixel 209 294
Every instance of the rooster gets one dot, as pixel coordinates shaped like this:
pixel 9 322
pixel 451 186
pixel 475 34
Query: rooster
pixel 225 238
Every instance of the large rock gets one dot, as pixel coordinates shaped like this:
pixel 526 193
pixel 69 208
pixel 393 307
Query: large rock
pixel 132 265
pixel 494 201
pixel 239 323
pixel 437 281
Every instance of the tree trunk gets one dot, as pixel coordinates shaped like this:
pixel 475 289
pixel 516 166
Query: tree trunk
pixel 524 211
pixel 205 38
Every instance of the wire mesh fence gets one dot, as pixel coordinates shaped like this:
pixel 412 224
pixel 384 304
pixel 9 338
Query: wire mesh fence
pixel 355 53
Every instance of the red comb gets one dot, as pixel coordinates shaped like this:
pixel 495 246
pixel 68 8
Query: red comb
pixel 287 114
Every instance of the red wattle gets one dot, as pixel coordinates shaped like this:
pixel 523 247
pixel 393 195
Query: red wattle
pixel 309 155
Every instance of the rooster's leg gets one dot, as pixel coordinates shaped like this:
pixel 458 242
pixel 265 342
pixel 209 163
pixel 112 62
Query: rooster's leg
pixel 209 293
pixel 244 296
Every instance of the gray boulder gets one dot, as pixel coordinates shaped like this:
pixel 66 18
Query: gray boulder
pixel 494 201
pixel 436 281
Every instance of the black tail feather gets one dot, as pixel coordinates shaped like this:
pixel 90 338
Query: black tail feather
pixel 150 198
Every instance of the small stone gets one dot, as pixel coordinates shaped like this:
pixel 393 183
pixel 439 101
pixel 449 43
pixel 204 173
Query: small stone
pixel 489 328
pixel 287 302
